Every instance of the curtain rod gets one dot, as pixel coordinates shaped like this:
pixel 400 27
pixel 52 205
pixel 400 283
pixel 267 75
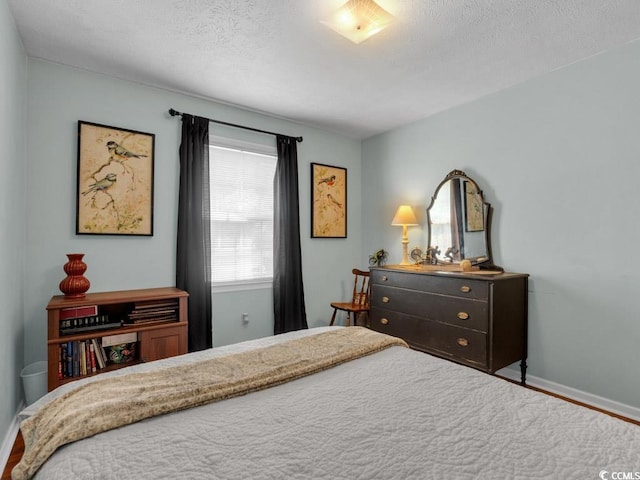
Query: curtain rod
pixel 175 113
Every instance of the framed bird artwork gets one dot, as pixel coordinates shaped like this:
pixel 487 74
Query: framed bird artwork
pixel 328 201
pixel 115 181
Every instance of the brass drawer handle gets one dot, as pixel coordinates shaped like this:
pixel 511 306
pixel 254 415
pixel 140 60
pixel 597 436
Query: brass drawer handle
pixel 465 289
pixel 385 299
pixel 463 342
pixel 384 278
pixel 384 321
pixel 463 315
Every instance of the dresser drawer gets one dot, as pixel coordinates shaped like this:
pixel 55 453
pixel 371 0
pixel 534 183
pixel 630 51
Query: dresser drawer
pixel 412 330
pixel 446 285
pixel 460 344
pixel 466 313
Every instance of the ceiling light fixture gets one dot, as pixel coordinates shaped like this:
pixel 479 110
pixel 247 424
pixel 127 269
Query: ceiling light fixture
pixel 359 19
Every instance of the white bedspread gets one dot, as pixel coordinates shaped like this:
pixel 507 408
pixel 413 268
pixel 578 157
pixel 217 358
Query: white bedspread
pixel 397 414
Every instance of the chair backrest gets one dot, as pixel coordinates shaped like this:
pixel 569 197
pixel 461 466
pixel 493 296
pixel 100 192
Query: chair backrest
pixel 360 288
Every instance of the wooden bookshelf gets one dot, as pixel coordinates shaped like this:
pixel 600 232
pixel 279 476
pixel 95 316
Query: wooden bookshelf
pixel 164 338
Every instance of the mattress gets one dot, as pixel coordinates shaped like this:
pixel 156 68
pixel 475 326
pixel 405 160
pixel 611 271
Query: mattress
pixel 396 414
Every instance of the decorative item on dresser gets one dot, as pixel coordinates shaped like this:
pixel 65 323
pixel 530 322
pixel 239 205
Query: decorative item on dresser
pixel 404 218
pixel 471 318
pixel 99 331
pixel 459 224
pixel 378 258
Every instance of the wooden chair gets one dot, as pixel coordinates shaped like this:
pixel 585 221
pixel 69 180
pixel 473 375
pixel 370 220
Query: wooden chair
pixel 359 303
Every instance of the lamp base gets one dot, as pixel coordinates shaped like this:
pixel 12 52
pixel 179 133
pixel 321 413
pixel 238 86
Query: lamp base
pixel 405 251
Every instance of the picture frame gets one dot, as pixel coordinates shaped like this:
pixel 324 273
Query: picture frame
pixel 114 181
pixel 328 201
pixel 473 208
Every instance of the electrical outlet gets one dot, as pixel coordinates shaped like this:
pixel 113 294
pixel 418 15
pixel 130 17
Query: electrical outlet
pixel 245 318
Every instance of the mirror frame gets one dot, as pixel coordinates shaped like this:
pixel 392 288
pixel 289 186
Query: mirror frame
pixel 483 262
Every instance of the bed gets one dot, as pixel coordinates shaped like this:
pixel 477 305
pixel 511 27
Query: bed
pixel 392 413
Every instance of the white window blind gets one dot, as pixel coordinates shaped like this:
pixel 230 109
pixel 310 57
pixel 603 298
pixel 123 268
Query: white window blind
pixel 241 213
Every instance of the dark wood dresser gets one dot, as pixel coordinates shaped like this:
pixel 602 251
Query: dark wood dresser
pixel 476 320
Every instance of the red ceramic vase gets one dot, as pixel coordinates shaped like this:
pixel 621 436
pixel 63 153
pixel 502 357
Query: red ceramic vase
pixel 75 285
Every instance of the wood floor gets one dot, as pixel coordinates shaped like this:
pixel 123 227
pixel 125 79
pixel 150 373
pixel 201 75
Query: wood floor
pixel 575 402
pixel 14 458
pixel 18 446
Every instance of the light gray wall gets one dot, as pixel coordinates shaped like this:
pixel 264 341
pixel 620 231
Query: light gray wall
pixel 559 159
pixel 13 68
pixel 58 97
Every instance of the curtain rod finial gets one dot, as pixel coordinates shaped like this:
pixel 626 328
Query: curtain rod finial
pixel 173 112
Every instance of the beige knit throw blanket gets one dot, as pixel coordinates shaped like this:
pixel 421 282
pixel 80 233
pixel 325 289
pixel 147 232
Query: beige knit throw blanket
pixel 113 402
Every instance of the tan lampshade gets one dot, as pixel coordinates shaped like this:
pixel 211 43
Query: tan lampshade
pixel 404 216
pixel 358 20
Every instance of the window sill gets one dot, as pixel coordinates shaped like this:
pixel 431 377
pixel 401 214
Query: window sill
pixel 242 286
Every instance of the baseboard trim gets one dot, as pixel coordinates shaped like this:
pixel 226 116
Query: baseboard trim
pixel 10 439
pixel 590 399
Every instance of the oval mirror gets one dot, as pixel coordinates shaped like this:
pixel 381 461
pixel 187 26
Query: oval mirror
pixel 458 220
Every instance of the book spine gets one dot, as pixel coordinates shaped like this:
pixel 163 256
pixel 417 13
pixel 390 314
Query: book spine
pixel 76 359
pixel 61 360
pixel 96 353
pixel 69 359
pixel 83 359
pixel 111 340
pixel 87 359
pixel 102 360
pixel 92 356
pixel 77 312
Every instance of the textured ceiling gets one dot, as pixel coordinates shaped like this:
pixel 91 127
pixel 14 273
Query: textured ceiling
pixel 275 56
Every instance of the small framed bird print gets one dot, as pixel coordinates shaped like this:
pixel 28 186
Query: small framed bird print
pixel 328 201
pixel 115 181
pixel 473 208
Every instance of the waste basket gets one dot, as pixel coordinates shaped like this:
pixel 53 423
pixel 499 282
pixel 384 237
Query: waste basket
pixel 34 381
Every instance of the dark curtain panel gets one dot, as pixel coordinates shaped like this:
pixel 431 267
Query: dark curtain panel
pixel 288 292
pixel 193 269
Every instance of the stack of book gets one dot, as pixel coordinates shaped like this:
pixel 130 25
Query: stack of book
pixel 155 311
pixel 84 319
pixel 84 357
pixel 80 358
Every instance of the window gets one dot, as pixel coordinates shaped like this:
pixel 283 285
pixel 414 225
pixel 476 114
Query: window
pixel 241 213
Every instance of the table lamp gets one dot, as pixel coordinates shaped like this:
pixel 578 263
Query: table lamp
pixel 404 217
